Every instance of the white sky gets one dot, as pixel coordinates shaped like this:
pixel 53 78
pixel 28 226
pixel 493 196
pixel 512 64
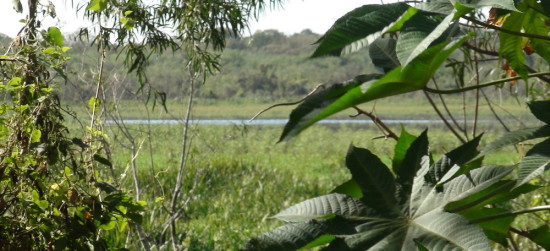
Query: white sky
pixel 293 17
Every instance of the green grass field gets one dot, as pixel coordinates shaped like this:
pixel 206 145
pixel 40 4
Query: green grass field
pixel 243 176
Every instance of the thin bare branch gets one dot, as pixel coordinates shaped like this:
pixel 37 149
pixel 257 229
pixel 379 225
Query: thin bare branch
pixel 289 103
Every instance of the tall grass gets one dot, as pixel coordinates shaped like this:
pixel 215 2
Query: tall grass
pixel 244 176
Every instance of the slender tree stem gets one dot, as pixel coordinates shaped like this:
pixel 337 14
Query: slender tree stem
pixel 183 161
pixel 487 84
pixel 507 214
pixel 377 121
pixel 449 113
pixel 443 118
pixel 494 112
pixel 476 110
pixel 494 27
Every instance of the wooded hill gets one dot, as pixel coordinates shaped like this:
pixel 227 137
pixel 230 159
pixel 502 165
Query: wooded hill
pixel 267 65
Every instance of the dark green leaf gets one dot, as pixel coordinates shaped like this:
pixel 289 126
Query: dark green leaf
pixel 535 163
pixel 455 158
pixel 105 187
pixel 496 229
pixel 518 136
pixel 413 161
pixel 375 179
pixel 361 26
pixel 383 55
pixel 403 143
pixel 293 236
pixel 337 204
pixel 541 236
pixel 79 143
pixel 537 25
pixel 350 188
pixel 102 160
pixel 541 110
pixel 317 102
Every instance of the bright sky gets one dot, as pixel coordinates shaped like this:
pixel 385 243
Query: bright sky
pixel 293 17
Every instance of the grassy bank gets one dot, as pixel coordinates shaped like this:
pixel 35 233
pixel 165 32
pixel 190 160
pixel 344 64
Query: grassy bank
pixel 399 107
pixel 244 176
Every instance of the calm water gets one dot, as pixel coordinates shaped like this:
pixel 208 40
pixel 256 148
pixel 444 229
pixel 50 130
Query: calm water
pixel 280 121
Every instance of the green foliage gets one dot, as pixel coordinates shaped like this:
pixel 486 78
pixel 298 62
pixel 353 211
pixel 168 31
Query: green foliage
pixel 412 205
pixel 395 212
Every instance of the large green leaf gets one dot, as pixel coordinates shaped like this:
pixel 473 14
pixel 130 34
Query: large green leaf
pixel 441 171
pixel 517 136
pixel 375 179
pixel 499 192
pixel 541 236
pixel 419 33
pixel 541 110
pixel 416 157
pixel 537 25
pixel 296 235
pixel 361 26
pixel 420 219
pixel 318 101
pixel 400 80
pixel 337 204
pixel 536 161
pixel 403 143
pixel 511 46
pixel 383 55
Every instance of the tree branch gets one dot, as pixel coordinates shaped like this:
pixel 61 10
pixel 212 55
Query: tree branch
pixel 430 90
pixel 494 27
pixel 377 121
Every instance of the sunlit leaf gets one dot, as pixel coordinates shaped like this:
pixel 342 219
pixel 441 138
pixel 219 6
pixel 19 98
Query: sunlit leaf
pixel 400 80
pixel 511 46
pixel 55 36
pixel 362 26
pixel 97 5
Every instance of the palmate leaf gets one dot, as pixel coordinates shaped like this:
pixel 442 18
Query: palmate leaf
pixel 517 136
pixel 536 161
pixel 403 143
pixel 361 26
pixel 421 218
pixel 400 80
pixel 337 204
pixel 318 101
pixel 541 110
pixel 297 235
pixel 374 178
pixel 441 172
